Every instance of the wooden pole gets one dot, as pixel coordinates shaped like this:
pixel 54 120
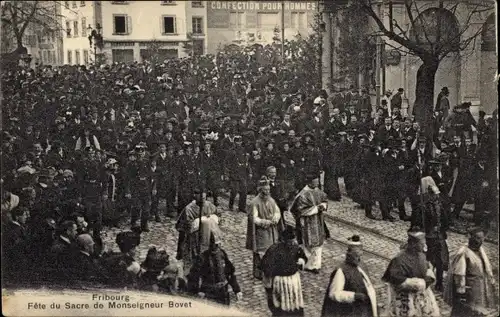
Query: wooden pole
pixel 378 60
pixel 283 30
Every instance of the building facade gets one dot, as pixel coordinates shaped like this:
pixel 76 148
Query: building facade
pixel 257 22
pixel 78 16
pixel 469 74
pixel 135 30
pixel 43 45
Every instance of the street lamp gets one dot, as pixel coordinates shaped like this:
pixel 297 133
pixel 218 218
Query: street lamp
pixel 95 37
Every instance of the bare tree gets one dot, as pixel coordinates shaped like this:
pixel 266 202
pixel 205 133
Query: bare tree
pixel 18 16
pixel 431 35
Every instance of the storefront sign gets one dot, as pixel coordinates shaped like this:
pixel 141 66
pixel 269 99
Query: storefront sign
pixel 261 6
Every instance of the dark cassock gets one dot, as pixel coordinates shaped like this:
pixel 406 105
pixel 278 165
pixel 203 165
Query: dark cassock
pixel 264 225
pixel 213 273
pixel 307 208
pixel 331 166
pixel 470 287
pixel 350 292
pixel 435 226
pixel 281 264
pixel 368 164
pixel 410 276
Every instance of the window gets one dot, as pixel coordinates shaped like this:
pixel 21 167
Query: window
pixel 267 20
pixel 73 4
pixel 68 29
pixel 123 55
pixel 299 20
pixel 236 20
pixel 75 28
pixel 85 57
pixel 70 57
pixel 197 25
pixel 198 47
pixel 82 3
pixel 164 3
pixel 84 28
pixel 45 58
pixel 169 26
pixel 66 4
pixel 197 4
pixel 119 2
pixel 121 24
pixel 77 57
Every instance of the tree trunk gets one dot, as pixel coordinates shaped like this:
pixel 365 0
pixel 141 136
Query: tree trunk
pixel 424 102
pixel 19 40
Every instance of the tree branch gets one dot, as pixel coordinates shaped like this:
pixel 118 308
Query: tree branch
pixel 403 32
pixel 30 17
pixel 412 20
pixel 422 25
pixel 400 49
pixel 418 50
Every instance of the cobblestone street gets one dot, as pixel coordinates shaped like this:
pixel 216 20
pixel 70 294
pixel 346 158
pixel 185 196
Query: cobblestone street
pixel 381 242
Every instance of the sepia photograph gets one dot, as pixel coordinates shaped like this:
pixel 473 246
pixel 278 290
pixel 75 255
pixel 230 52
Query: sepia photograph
pixel 317 158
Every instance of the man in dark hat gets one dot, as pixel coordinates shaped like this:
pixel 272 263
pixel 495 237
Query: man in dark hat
pixel 350 149
pixel 369 170
pixel 397 100
pixel 281 264
pixel 239 171
pixel 15 245
pixel 140 187
pixel 350 293
pixel 189 176
pixel 166 178
pixel 92 191
pixel 312 164
pixel 385 132
pixel 435 222
pixel 442 107
pixel 331 164
pixel 392 169
pixel 212 167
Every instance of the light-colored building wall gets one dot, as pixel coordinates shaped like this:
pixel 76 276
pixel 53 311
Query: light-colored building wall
pixel 78 15
pixel 468 74
pixel 164 22
pixel 197 10
pixel 253 22
pixel 43 45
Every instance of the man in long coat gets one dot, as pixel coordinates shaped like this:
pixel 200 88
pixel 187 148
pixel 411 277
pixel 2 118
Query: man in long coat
pixel 350 292
pixel 264 224
pixel 307 208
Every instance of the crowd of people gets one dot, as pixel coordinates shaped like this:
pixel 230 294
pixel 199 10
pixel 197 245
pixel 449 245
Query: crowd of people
pixel 86 147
